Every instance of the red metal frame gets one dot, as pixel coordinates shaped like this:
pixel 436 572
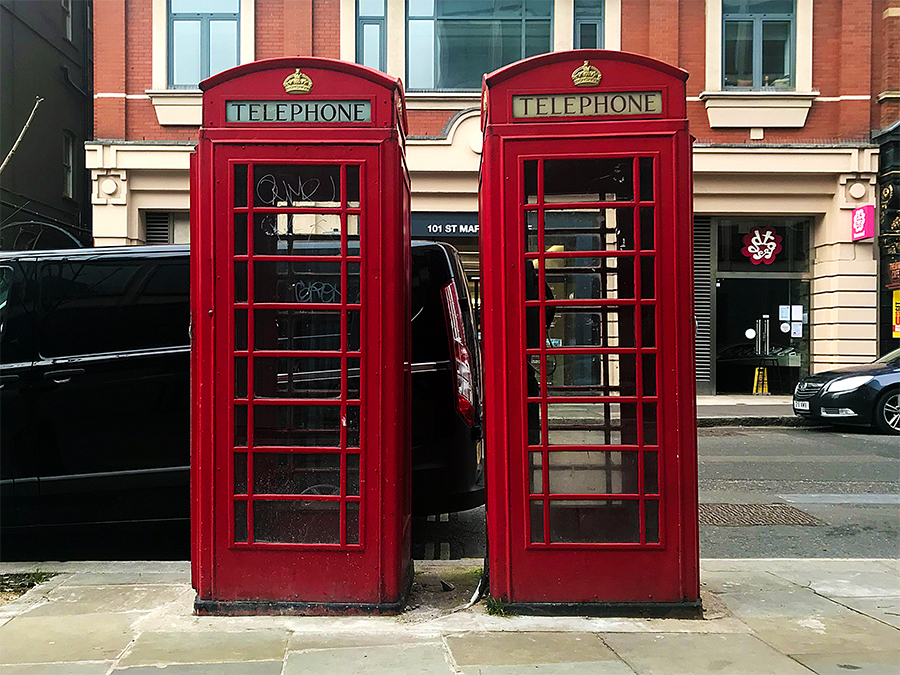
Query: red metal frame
pixel 629 569
pixel 297 563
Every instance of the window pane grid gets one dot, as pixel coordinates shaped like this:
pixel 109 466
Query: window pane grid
pixel 758 48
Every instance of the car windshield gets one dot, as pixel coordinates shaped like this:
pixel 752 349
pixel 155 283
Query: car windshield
pixel 891 358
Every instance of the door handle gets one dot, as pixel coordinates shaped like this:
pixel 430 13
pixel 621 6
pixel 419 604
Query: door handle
pixel 63 376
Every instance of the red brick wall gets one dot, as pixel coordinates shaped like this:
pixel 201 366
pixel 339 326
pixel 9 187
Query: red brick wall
pixel 326 35
pixel 109 68
pixel 887 55
pixel 428 122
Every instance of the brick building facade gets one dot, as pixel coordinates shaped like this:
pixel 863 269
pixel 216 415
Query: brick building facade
pixel 783 121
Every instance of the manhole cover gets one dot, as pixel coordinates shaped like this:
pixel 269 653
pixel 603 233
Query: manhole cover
pixel 742 515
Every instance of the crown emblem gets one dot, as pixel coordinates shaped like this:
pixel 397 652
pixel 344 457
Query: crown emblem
pixel 586 76
pixel 297 83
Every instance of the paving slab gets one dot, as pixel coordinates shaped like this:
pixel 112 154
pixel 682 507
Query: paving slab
pixel 667 654
pixel 421 659
pixel 49 639
pixel 589 668
pixel 731 581
pixel 70 600
pixel 846 583
pixel 312 641
pixel 126 578
pixel 508 649
pixel 245 668
pixel 99 668
pixel 869 663
pixel 886 610
pixel 793 564
pixel 152 648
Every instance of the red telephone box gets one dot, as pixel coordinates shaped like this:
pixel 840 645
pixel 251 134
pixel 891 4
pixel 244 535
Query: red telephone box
pixel 300 263
pixel 588 334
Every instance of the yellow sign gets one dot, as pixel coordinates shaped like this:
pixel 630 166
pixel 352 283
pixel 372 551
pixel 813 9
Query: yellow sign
pixel 599 104
pixel 896 314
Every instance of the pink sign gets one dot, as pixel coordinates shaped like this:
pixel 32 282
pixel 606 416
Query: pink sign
pixel 863 225
pixel 761 245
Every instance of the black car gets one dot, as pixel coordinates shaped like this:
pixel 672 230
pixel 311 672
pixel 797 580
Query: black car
pixel 95 407
pixel 867 395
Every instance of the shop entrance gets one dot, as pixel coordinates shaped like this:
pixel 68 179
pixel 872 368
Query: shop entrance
pixel 761 323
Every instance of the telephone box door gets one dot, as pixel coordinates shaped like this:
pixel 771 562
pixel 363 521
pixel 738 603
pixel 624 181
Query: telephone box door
pixel 292 409
pixel 590 251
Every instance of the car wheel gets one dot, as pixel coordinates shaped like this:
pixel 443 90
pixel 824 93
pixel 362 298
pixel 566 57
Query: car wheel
pixel 887 412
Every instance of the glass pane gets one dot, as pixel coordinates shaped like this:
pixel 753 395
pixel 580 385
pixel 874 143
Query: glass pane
pixel 592 423
pixel 371 45
pixel 352 426
pixel 240 281
pixel 583 230
pixel 240 521
pixel 240 329
pixel 587 36
pixel 302 426
pixel 353 475
pixel 537 38
pixel 651 473
pixel 529 175
pixel 223 45
pixel 583 521
pixel 649 361
pixel 737 236
pixel 240 234
pixel 421 7
pixel 610 279
pixel 593 327
pixel 297 185
pixel 185 53
pixel 240 185
pixel 296 377
pixel 371 7
pixel 304 282
pixel 589 472
pixel 420 50
pixel 297 234
pixel 296 474
pixel 240 473
pixel 297 330
pixel 591 375
pixel 646 169
pixel 533 409
pixel 738 53
pixel 537 522
pixel 650 425
pixel 240 425
pixel 297 522
pixel 205 6
pixel 353 186
pixel 757 6
pixel 776 56
pixel 651 521
pixel 588 180
pixel 648 326
pixel 353 374
pixel 648 278
pixel 648 229
pixel 352 527
pixel 240 377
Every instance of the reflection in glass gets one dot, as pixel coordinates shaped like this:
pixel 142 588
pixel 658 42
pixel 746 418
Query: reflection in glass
pixel 240 521
pixel 586 521
pixel 240 473
pixel 645 165
pixel 648 326
pixel 571 230
pixel 298 425
pixel 592 423
pixel 240 377
pixel 353 375
pixel 240 185
pixel 297 522
pixel 297 233
pixel 285 473
pixel 313 282
pixel 353 475
pixel 529 173
pixel 649 374
pixel 593 327
pixel 651 473
pixel 297 377
pixel 533 409
pixel 588 180
pixel 352 426
pixel 223 46
pixel 352 527
pixel 297 185
pixel 650 424
pixel 303 330
pixel 737 47
pixel 648 278
pixel 537 521
pixel 240 329
pixel 240 281
pixel 240 425
pixel 591 375
pixel 240 234
pixel 353 187
pixel 648 229
pixel 776 54
pixel 588 472
pixel 611 279
pixel 651 521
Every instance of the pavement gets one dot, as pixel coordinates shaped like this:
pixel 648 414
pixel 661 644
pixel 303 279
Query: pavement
pixel 748 411
pixel 776 616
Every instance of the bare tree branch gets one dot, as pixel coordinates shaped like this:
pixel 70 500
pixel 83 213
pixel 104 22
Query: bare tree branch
pixel 37 102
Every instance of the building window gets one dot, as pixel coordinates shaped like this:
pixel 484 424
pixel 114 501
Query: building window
pixel 68 165
pixel 450 44
pixel 204 39
pixel 67 18
pixel 588 24
pixel 371 33
pixel 758 44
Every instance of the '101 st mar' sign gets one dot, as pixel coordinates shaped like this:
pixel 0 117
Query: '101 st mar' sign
pixel 597 104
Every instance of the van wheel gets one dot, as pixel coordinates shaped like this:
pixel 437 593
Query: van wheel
pixel 887 412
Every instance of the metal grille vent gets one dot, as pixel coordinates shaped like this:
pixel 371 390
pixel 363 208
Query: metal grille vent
pixel 158 226
pixel 703 297
pixel 744 515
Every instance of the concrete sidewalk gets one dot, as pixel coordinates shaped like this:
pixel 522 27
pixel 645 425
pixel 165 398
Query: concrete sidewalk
pixel 780 617
pixel 748 411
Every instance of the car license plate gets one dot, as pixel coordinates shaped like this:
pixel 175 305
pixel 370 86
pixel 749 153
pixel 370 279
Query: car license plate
pixel 801 405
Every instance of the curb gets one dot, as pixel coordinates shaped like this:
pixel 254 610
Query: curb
pixel 757 421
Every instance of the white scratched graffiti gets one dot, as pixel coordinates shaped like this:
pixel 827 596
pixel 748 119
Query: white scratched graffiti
pixel 316 291
pixel 272 191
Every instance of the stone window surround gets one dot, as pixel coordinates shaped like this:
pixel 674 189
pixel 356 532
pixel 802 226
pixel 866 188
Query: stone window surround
pixel 183 106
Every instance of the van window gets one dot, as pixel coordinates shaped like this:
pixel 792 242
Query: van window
pixel 113 305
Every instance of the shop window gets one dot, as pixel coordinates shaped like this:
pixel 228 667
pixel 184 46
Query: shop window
pixel 764 245
pixel 758 38
pixel 589 24
pixel 203 39
pixel 67 18
pixel 371 33
pixel 450 44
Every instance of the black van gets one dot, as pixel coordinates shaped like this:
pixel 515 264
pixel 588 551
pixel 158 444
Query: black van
pixel 95 408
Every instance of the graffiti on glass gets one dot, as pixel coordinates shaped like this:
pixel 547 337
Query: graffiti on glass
pixel 273 191
pixel 316 291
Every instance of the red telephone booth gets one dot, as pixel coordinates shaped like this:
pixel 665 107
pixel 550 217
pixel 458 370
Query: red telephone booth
pixel 300 262
pixel 588 334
